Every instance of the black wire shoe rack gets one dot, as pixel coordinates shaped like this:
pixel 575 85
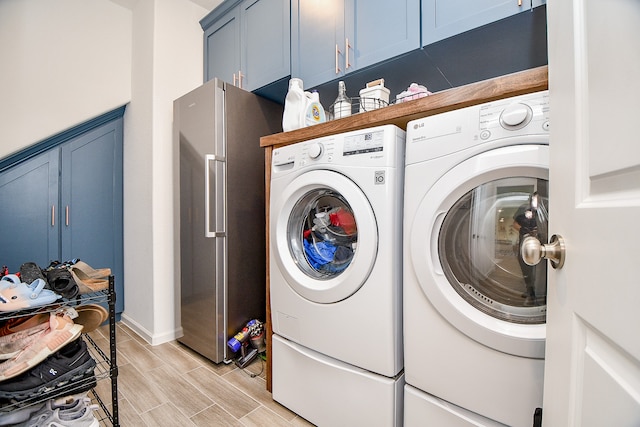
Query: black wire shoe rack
pixel 105 358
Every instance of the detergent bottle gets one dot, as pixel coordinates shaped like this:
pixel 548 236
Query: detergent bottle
pixel 315 111
pixel 295 106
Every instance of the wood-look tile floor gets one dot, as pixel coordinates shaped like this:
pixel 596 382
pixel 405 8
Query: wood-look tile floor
pixel 171 385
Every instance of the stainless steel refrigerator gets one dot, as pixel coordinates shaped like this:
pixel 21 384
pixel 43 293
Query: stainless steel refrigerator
pixel 222 212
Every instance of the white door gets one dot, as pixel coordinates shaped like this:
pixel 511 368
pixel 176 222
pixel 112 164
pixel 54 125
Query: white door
pixel 592 374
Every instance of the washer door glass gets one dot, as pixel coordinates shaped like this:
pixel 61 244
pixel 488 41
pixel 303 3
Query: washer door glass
pixel 479 248
pixel 322 234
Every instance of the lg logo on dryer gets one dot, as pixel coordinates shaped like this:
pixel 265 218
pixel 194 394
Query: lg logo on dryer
pixel 379 178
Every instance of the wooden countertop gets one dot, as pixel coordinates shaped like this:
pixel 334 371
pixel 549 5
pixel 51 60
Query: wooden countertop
pixel 533 80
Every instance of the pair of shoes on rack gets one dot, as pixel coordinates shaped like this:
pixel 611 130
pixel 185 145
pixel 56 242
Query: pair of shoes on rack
pixel 69 370
pixel 94 279
pixel 61 280
pixel 85 277
pixel 56 276
pixel 68 411
pixel 19 333
pixel 58 332
pixel 17 336
pixel 16 295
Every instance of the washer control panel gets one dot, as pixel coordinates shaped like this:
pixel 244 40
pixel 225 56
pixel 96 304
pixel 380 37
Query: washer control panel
pixel 379 146
pixel 315 150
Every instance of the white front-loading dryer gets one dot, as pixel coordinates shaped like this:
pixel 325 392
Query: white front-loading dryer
pixel 336 277
pixel 476 183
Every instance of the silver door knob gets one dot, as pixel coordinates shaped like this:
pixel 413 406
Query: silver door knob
pixel 533 251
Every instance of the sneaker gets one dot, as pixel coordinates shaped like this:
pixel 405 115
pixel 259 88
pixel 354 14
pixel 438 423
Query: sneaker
pixel 76 412
pixel 66 404
pixel 61 331
pixel 16 324
pixel 14 343
pixel 19 415
pixel 69 369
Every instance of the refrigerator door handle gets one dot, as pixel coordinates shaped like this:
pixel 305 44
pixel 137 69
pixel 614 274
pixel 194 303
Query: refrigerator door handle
pixel 214 215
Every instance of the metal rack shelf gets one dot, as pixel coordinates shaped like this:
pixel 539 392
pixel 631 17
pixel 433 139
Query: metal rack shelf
pixel 106 365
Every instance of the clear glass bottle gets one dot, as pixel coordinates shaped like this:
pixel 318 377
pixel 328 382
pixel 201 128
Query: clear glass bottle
pixel 342 104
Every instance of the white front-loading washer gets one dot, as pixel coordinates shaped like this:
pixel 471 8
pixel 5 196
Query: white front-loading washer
pixel 336 279
pixel 476 183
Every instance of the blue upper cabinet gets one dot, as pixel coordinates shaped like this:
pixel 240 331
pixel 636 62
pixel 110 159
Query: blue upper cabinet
pixel 445 18
pixel 247 42
pixel 222 48
pixel 330 38
pixel 266 31
pixel 317 40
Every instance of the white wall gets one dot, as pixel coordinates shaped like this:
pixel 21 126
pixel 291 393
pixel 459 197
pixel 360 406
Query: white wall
pixel 66 61
pixel 62 62
pixel 168 62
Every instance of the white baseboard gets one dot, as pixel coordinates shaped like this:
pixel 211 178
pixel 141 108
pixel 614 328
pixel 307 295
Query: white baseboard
pixel 153 339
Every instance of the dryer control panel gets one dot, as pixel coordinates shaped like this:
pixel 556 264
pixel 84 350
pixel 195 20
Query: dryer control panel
pixel 524 116
pixel 501 118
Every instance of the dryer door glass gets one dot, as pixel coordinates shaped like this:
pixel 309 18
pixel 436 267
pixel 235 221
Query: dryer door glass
pixel 479 248
pixel 322 234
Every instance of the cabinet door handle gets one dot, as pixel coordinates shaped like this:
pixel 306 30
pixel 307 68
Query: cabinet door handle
pixel 66 215
pixel 234 79
pixel 240 79
pixel 53 215
pixel 519 3
pixel 347 47
pixel 337 53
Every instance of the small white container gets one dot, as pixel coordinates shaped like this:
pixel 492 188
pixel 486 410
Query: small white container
pixel 315 112
pixel 374 96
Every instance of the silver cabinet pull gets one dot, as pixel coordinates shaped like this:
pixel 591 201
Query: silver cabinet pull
pixel 53 215
pixel 66 216
pixel 240 79
pixel 347 47
pixel 533 251
pixel 234 79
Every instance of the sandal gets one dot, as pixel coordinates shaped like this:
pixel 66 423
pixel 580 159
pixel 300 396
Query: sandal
pixel 16 295
pixel 90 316
pixel 88 277
pixel 89 285
pixel 85 271
pixel 29 271
pixel 61 281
